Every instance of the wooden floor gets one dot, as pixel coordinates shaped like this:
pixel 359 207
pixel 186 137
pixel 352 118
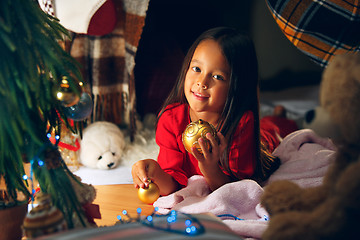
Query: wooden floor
pixel 113 199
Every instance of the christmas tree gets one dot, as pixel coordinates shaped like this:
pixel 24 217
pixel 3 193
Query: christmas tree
pixel 32 66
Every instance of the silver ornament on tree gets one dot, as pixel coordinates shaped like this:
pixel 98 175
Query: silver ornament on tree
pixel 75 107
pixel 80 110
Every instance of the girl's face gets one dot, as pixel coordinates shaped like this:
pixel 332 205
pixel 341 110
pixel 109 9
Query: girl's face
pixel 207 80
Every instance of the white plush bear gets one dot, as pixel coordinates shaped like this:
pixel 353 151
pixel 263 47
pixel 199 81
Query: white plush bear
pixel 102 145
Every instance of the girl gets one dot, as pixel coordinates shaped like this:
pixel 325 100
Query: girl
pixel 218 83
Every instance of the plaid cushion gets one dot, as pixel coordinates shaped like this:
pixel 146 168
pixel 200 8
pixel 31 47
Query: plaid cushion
pixel 319 28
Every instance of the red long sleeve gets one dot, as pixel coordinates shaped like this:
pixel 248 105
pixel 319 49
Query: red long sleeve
pixel 176 161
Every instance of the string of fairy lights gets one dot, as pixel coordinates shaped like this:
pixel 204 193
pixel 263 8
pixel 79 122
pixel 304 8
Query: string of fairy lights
pixel 173 222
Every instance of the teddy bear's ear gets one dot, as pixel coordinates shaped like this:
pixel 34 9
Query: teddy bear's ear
pixel 339 95
pixel 320 121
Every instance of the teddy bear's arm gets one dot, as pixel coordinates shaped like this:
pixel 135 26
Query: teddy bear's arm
pixel 282 196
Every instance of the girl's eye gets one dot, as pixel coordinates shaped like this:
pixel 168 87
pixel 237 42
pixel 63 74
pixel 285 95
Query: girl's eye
pixel 219 77
pixel 196 69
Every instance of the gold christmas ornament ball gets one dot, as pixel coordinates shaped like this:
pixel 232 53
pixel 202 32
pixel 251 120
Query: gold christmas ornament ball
pixel 150 194
pixel 196 130
pixel 65 94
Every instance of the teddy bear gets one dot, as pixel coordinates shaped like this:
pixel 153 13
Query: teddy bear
pixel 102 145
pixel 331 210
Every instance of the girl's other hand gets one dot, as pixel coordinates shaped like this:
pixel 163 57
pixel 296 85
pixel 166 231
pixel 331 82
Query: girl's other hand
pixel 209 161
pixel 142 171
pixel 210 157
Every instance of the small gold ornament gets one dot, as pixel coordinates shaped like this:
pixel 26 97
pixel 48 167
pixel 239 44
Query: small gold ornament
pixel 150 194
pixel 66 95
pixel 196 130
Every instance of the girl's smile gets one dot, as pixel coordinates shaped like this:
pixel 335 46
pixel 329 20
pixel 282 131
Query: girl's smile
pixel 200 96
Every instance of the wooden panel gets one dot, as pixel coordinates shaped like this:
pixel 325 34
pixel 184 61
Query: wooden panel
pixel 113 199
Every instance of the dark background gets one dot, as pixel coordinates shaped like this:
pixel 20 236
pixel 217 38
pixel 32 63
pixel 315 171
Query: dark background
pixel 171 26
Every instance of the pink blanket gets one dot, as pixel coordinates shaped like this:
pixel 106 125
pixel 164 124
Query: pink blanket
pixel 305 158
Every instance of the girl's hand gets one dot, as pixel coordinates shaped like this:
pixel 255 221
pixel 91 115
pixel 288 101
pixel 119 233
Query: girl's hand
pixel 144 170
pixel 209 161
pixel 210 158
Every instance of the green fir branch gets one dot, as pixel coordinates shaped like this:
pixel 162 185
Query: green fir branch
pixel 32 64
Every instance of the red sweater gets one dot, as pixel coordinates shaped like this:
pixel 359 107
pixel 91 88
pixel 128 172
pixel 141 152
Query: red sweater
pixel 180 164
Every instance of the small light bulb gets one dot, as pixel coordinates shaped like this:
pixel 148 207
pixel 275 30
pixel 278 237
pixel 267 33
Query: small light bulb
pixel 59 95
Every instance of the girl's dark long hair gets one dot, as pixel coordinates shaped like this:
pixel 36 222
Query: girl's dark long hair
pixel 240 54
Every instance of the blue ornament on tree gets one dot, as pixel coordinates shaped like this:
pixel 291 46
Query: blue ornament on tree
pixel 81 110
